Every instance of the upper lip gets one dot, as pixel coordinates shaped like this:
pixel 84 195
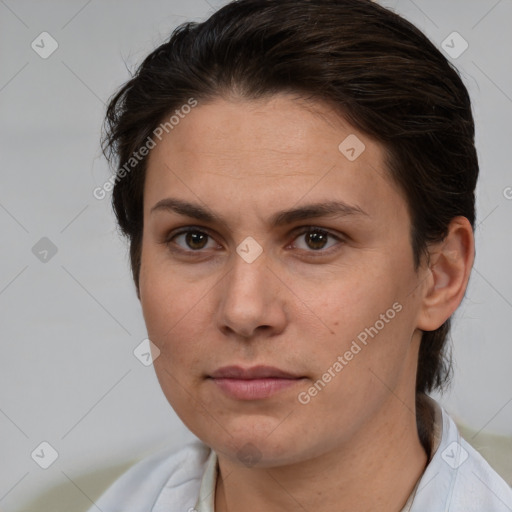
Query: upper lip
pixel 256 372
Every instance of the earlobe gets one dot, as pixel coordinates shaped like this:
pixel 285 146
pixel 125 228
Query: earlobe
pixel 449 271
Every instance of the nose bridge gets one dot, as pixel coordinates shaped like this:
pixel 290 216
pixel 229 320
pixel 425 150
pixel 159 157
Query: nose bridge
pixel 248 298
pixel 246 280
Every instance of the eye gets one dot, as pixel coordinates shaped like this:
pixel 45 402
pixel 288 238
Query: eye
pixel 316 240
pixel 194 240
pixel 191 240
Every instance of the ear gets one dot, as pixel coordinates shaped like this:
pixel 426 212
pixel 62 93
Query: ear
pixel 447 275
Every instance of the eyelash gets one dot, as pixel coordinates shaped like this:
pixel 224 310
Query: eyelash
pixel 306 229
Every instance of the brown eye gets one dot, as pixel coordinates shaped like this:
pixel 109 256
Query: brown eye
pixel 191 240
pixel 196 239
pixel 316 240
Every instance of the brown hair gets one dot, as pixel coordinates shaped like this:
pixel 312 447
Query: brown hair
pixel 375 68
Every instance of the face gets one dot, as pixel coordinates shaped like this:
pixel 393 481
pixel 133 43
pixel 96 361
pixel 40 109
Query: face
pixel 267 244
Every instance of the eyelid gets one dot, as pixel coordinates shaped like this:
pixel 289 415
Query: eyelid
pixel 186 229
pixel 311 227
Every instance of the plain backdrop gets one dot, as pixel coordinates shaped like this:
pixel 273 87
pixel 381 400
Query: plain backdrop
pixel 69 316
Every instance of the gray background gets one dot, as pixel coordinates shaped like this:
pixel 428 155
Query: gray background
pixel 68 375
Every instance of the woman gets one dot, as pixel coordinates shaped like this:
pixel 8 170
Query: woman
pixel 296 181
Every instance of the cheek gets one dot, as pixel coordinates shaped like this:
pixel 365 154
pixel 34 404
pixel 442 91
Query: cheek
pixel 155 297
pixel 174 313
pixel 369 319
pixel 162 299
pixel 357 298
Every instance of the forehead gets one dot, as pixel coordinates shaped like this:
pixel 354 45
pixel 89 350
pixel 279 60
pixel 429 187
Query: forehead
pixel 268 150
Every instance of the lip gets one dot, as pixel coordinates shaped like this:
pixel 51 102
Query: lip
pixel 256 372
pixel 256 383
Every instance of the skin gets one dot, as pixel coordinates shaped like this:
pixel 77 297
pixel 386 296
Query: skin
pixel 298 306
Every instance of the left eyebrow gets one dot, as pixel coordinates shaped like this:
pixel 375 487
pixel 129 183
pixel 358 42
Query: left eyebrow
pixel 334 209
pixel 311 211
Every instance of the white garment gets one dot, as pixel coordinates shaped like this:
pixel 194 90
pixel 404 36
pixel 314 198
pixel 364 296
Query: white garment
pixel 457 479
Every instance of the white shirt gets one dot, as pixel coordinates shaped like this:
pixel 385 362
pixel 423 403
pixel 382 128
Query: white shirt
pixel 457 479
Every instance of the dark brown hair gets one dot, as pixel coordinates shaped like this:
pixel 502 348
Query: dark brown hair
pixel 373 67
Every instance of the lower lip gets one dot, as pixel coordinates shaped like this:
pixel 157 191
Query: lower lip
pixel 253 389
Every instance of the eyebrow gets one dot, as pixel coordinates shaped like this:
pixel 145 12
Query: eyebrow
pixel 281 218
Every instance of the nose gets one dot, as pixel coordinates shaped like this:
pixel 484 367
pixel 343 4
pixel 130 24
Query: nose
pixel 251 300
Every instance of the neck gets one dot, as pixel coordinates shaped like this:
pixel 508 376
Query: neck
pixel 376 470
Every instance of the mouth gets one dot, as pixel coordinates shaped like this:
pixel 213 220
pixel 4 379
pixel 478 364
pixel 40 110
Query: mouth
pixel 256 383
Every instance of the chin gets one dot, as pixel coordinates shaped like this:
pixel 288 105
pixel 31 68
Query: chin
pixel 258 446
